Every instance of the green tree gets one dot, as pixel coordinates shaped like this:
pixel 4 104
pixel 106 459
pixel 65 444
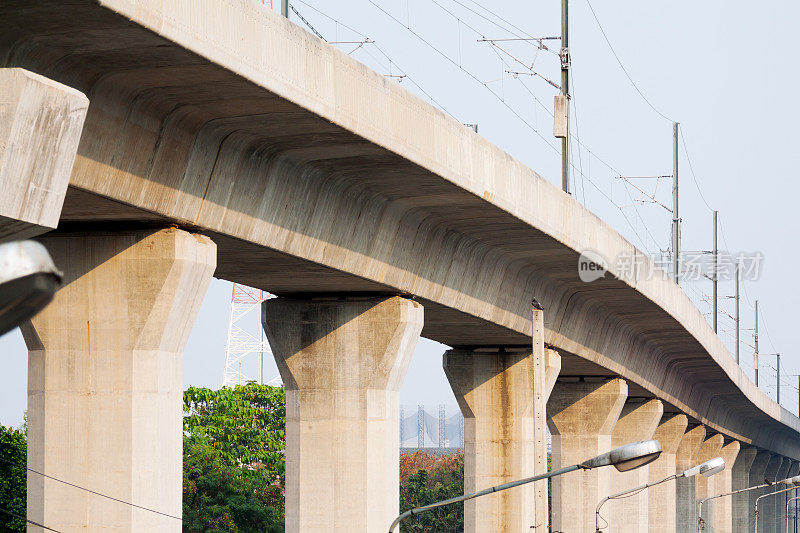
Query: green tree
pixel 246 424
pixel 234 467
pixel 427 478
pixel 13 470
pixel 218 496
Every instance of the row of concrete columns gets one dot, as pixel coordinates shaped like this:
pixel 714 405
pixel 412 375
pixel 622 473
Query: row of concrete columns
pixel 104 410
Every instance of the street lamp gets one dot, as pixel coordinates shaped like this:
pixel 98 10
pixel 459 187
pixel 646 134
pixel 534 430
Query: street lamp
pixel 795 481
pixel 623 459
pixel 28 281
pixel 707 469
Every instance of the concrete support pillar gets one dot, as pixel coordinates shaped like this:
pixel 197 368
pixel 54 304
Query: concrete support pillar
pixel 105 379
pixel 766 507
pixel 721 483
pixel 496 389
pixel 685 502
pixel 40 126
pixel 758 475
pixel 342 363
pixel 740 479
pixel 662 497
pixel 779 500
pixel 638 421
pixel 709 449
pixel 581 417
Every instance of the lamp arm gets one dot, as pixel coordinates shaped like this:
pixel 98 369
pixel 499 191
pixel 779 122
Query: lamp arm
pixel 790 500
pixel 490 490
pixel 628 492
pixel 764 496
pixel 704 500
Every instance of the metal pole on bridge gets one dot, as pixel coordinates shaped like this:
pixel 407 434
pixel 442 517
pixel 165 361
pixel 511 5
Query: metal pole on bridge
pixel 755 354
pixel 676 220
pixel 285 8
pixel 714 277
pixel 565 61
pixel 778 379
pixel 738 322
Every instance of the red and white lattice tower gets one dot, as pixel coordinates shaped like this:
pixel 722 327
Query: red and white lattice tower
pixel 246 346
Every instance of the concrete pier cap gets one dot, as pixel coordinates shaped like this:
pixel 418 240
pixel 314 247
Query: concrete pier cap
pixel 40 126
pixel 581 416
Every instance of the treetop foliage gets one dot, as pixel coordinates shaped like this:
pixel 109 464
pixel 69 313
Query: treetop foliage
pixel 246 424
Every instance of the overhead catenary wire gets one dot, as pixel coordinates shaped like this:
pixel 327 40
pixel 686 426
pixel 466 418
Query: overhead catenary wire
pixel 467 72
pixel 622 66
pixel 691 170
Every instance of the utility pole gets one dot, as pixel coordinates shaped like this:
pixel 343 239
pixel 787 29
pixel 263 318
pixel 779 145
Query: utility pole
pixel 755 354
pixel 676 220
pixel 714 271
pixel 736 316
pixel 285 8
pixel 778 378
pixel 562 101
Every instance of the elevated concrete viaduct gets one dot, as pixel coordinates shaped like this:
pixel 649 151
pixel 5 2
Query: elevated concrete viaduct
pixel 319 180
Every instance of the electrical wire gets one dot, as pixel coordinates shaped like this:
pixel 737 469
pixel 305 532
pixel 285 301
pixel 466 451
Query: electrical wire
pixel 384 54
pixel 37 524
pixel 691 170
pixel 10 463
pixel 574 102
pixel 504 21
pixel 608 42
pixel 468 73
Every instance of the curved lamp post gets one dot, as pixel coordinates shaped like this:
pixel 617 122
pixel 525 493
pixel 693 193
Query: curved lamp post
pixel 709 468
pixel 731 493
pixel 795 481
pixel 623 459
pixel 790 500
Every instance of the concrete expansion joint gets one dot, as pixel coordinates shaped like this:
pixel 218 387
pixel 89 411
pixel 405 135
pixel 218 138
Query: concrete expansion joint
pixel 344 297
pixel 495 349
pixel 584 379
pixel 113 228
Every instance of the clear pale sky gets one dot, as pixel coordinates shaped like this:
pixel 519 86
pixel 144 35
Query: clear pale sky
pixel 723 69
